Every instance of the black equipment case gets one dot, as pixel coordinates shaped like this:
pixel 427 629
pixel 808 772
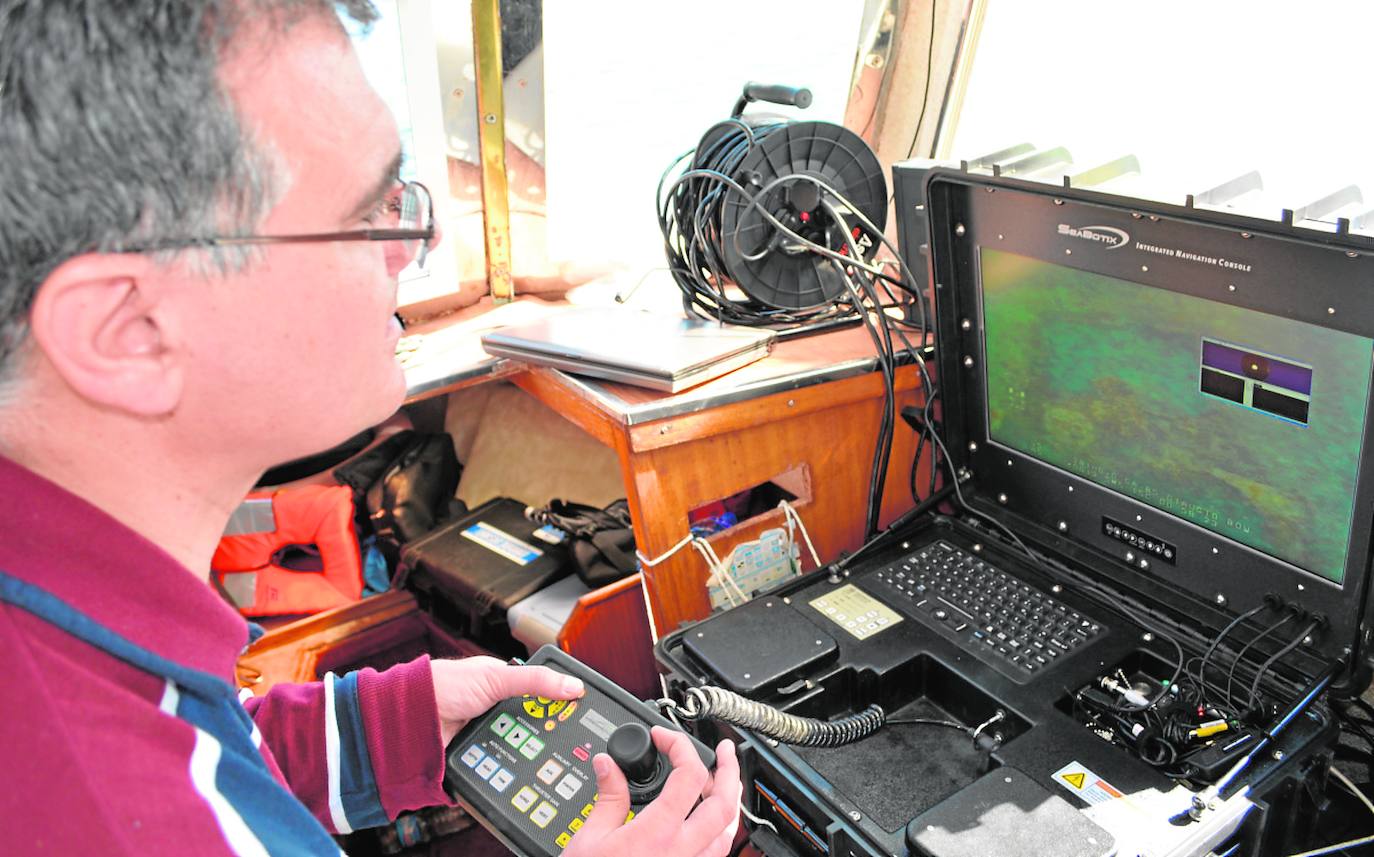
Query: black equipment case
pixel 1154 580
pixel 488 560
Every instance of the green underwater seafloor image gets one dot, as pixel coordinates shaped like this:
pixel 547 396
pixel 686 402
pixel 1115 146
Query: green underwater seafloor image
pixel 1100 377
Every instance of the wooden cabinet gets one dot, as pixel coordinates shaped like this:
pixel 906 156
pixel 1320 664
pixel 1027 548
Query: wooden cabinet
pixel 813 408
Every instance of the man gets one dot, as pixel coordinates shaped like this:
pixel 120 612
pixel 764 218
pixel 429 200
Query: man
pixel 148 374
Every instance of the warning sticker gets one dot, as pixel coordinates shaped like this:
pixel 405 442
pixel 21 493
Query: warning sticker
pixel 503 543
pixel 1089 787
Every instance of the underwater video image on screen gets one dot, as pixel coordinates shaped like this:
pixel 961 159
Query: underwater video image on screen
pixel 1245 423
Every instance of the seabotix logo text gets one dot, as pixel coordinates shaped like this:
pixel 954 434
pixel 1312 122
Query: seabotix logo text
pixel 1114 238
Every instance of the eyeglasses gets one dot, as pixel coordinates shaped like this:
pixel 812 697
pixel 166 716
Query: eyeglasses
pixel 403 214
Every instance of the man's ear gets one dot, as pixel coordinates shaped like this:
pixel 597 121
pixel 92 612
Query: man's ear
pixel 97 320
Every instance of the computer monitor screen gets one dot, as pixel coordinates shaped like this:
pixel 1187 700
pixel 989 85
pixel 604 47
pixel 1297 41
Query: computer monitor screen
pixel 1247 424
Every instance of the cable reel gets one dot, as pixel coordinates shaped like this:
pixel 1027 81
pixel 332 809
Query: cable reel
pixel 758 199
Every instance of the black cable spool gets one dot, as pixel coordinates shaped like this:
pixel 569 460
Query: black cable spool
pixel 730 259
pixel 773 224
pixel 763 262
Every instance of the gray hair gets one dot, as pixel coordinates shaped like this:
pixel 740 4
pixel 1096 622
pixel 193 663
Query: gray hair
pixel 115 130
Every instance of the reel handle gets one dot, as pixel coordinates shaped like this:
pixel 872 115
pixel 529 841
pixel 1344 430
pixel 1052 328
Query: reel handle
pixel 796 96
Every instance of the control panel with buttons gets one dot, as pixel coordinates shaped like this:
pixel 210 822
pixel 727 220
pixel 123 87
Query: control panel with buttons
pixel 524 769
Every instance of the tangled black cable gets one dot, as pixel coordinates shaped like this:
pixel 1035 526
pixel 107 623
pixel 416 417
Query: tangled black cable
pixel 1216 641
pixel 689 218
pixel 1297 640
pixel 1240 656
pixel 690 258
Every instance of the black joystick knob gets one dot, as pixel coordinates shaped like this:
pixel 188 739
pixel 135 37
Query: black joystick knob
pixel 632 748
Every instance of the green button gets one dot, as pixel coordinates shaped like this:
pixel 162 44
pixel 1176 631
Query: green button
pixel 502 724
pixel 532 748
pixel 516 736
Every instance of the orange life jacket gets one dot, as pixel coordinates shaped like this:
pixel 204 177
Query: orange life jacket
pixel 309 515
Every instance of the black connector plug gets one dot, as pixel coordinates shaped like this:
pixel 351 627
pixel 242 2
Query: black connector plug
pixel 914 417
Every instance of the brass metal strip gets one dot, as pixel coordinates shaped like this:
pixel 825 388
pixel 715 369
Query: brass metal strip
pixel 491 137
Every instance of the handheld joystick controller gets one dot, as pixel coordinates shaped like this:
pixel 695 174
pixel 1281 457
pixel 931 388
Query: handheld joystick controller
pixel 524 769
pixel 632 748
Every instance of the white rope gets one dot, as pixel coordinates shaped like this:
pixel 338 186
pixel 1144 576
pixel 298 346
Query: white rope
pixel 726 572
pixel 1345 781
pixel 1339 846
pixel 762 822
pixel 644 560
pixel 712 564
pixel 792 515
pixel 720 570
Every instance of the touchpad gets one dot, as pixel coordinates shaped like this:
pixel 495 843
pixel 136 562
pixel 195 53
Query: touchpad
pixel 759 645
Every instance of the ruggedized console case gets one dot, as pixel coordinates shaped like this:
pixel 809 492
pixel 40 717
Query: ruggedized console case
pixel 1038 771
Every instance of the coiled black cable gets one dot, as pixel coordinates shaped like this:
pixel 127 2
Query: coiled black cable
pixel 689 218
pixel 729 707
pixel 720 704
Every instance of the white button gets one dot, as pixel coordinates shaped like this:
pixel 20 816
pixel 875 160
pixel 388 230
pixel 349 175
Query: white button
pixel 882 620
pixel 473 756
pixel 544 814
pixel 487 767
pixel 851 624
pixel 524 799
pixel 871 626
pixel 549 772
pixel 839 617
pixel 569 786
pixel 501 779
pixel 830 611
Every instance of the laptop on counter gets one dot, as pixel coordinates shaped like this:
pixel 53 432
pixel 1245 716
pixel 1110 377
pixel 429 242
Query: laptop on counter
pixel 654 350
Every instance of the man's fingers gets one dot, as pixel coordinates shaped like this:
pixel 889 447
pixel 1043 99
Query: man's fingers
pixel 506 681
pixel 725 746
pixel 613 804
pixel 685 783
pixel 720 846
pixel 719 812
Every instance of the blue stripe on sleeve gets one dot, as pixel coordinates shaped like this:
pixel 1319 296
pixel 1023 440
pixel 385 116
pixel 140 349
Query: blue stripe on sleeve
pixel 279 822
pixel 362 804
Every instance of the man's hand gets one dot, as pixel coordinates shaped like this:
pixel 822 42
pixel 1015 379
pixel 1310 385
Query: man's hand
pixel 668 827
pixel 466 688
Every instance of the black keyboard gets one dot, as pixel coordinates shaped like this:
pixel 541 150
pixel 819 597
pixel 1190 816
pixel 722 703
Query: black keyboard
pixel 1000 619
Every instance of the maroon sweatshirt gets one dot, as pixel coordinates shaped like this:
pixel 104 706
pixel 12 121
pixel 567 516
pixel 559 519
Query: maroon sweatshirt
pixel 97 756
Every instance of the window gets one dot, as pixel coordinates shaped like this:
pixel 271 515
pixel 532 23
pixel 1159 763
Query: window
pixel 1201 92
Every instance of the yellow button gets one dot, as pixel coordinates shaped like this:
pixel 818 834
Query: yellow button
pixel 575 825
pixel 563 839
pixel 586 810
pixel 533 708
pixel 544 700
pixel 629 817
pixel 557 706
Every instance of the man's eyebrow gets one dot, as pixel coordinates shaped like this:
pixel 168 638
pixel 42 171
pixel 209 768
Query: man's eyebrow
pixel 390 177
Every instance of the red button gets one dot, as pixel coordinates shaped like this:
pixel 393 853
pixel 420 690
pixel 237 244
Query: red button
pixel 581 754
